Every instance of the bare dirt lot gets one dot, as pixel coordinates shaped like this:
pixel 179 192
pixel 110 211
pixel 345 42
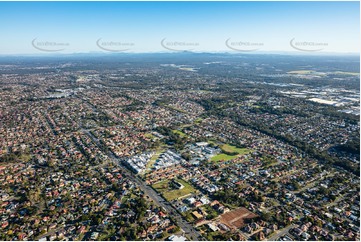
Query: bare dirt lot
pixel 235 219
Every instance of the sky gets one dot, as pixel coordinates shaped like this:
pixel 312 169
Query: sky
pixel 83 27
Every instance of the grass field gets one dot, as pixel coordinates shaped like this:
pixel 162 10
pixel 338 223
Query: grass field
pixel 170 193
pixel 223 157
pixel 198 120
pixel 152 160
pixel 180 133
pixel 149 135
pixel 213 142
pixel 230 149
pixel 158 151
pixel 12 158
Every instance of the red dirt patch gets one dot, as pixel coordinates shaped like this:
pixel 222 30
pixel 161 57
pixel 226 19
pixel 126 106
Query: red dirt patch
pixel 235 219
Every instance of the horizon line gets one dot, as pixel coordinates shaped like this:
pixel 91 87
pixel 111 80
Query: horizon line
pixel 321 53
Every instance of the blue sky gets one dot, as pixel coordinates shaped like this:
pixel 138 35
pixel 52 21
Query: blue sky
pixel 203 26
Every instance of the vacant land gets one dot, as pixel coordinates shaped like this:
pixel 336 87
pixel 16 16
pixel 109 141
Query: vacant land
pixel 235 219
pixel 171 193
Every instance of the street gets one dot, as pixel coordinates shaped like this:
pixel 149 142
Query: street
pixel 188 229
pixel 281 232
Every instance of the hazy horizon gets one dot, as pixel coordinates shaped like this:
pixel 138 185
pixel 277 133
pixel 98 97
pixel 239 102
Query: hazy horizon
pixel 30 28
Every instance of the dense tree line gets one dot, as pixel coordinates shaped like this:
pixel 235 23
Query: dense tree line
pixel 351 146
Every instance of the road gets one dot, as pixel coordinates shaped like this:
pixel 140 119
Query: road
pixel 188 228
pixel 281 232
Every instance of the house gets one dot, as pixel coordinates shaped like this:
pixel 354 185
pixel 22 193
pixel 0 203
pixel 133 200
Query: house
pixel 306 236
pixel 94 235
pixel 161 214
pixel 177 185
pixel 215 202
pixel 212 227
pixel 197 204
pixel 223 227
pixel 197 215
pixel 191 200
pixel 248 229
pixel 353 217
pixel 82 229
pixel 176 238
pixel 183 209
pixel 297 231
pixel 204 200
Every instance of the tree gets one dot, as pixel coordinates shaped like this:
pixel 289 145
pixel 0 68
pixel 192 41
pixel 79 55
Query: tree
pixel 266 216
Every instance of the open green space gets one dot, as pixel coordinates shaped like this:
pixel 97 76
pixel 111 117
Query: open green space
pixel 170 193
pixel 158 152
pixel 230 152
pixel 214 142
pixel 198 120
pixel 149 135
pixel 223 157
pixel 180 133
pixel 231 148
pixel 10 158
